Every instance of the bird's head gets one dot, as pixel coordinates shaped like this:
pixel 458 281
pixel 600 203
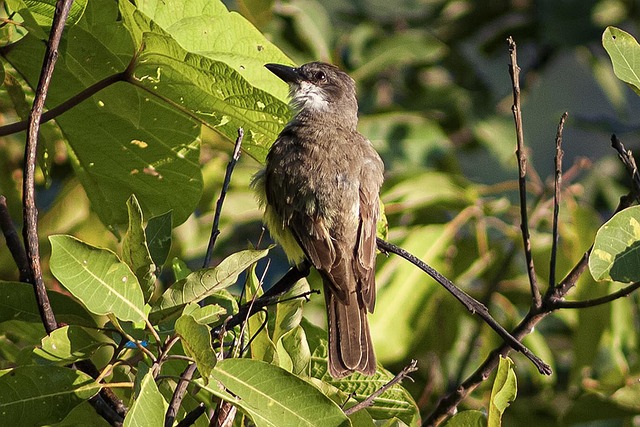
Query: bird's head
pixel 319 88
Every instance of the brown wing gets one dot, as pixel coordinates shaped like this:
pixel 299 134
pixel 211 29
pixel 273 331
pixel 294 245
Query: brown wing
pixel 365 251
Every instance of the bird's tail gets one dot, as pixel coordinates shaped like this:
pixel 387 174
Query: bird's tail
pixel 350 347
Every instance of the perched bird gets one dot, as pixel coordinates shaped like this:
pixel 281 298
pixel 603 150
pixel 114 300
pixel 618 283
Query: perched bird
pixel 320 190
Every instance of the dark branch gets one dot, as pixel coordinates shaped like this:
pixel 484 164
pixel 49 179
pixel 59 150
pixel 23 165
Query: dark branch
pixel 192 416
pixel 178 395
pixel 68 104
pixel 597 301
pixel 557 185
pixel 271 296
pixel 215 230
pixel 30 212
pixel 469 303
pixel 412 367
pixel 13 240
pixel 514 72
pixel 626 156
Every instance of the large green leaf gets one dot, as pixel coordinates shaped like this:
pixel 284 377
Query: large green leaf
pixel 199 284
pixel 616 251
pixel 467 419
pixel 209 63
pixel 273 396
pixel 36 395
pixel 624 51
pixel 123 140
pixel 96 276
pixel 149 406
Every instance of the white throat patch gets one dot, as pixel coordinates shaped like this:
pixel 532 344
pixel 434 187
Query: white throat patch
pixel 309 97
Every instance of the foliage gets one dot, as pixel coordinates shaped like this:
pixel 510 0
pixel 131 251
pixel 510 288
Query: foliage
pixel 129 179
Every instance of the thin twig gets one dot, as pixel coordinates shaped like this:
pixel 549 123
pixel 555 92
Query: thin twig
pixel 469 303
pixel 215 230
pixel 30 212
pixel 557 185
pixel 412 367
pixel 68 104
pixel 178 395
pixel 270 296
pixel 13 240
pixel 597 301
pixel 514 72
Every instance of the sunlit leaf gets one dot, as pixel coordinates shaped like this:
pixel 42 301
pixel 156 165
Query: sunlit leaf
pixel 198 285
pixel 467 419
pixel 149 406
pixel 624 51
pixel 616 251
pixel 96 276
pixel 503 393
pixel 273 396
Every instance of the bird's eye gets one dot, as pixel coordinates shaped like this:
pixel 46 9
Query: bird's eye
pixel 320 75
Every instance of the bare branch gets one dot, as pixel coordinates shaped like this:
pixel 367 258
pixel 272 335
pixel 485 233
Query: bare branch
pixel 13 240
pixel 215 231
pixel 557 185
pixel 30 212
pixel 178 395
pixel 469 302
pixel 66 105
pixel 514 72
pixel 597 301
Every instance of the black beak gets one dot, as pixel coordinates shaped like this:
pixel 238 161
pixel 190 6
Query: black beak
pixel 286 73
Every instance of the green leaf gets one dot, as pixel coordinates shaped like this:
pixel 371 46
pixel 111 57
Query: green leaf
pixel 135 251
pixel 272 396
pixel 96 276
pixel 158 235
pixel 467 419
pixel 196 340
pixel 624 51
pixel 71 343
pixel 206 315
pixel 180 269
pixel 616 250
pixel 209 63
pixel 202 283
pixel 504 391
pixel 18 302
pixel 138 145
pixel 148 407
pixel 36 395
pixel 43 11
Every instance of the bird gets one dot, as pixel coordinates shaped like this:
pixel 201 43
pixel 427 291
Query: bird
pixel 320 192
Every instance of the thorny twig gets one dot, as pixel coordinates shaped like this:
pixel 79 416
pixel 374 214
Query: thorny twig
pixel 557 185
